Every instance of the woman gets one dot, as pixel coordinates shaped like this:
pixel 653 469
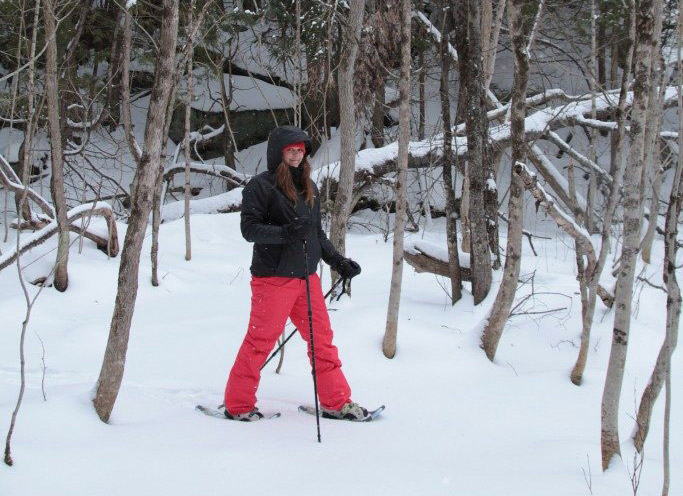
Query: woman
pixel 281 210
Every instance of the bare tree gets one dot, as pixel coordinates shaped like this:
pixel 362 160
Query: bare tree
pixel 111 374
pixel 389 342
pixel 449 159
pixel 469 52
pixel 22 339
pixel 351 31
pixel 591 280
pixel 31 115
pixel 652 171
pixel 186 136
pixel 490 30
pixel 633 209
pixel 508 287
pixel 662 369
pixel 61 276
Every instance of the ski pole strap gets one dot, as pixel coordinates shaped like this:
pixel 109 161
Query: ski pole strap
pixel 346 282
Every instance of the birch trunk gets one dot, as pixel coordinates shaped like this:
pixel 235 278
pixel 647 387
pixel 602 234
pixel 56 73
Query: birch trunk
pixel 652 170
pixel 390 333
pixel 448 162
pixel 633 210
pixel 61 275
pixel 492 46
pixel 347 108
pixel 111 374
pixel 593 138
pixel 508 287
pixel 662 367
pixel 617 168
pixel 486 32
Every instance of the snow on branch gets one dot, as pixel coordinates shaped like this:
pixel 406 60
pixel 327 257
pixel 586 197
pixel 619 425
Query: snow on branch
pixel 564 221
pixel 553 178
pixel 199 137
pixel 88 124
pixel 13 184
pixel 218 170
pixel 581 159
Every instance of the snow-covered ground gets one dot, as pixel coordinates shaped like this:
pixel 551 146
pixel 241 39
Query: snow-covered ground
pixel 454 423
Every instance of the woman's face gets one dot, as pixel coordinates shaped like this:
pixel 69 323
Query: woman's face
pixel 293 156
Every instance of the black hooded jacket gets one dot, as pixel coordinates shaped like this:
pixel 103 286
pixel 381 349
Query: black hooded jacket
pixel 266 211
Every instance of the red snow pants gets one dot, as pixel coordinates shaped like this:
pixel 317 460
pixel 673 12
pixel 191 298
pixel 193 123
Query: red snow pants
pixel 273 299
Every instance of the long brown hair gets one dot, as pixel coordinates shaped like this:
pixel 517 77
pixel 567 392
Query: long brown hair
pixel 284 181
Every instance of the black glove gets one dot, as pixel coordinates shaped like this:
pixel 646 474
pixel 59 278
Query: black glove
pixel 347 268
pixel 298 229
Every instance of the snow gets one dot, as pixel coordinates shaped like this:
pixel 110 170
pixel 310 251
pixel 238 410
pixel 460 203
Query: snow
pixel 247 94
pixel 214 204
pixel 11 140
pixel 513 427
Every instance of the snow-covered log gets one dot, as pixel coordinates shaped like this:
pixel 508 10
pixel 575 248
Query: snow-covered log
pixel 425 153
pixel 427 257
pixel 218 204
pixel 108 243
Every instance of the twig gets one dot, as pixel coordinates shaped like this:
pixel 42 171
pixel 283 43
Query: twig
pixel 652 285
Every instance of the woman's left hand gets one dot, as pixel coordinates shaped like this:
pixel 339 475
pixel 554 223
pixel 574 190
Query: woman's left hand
pixel 347 268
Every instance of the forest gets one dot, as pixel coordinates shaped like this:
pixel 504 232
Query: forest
pixel 507 172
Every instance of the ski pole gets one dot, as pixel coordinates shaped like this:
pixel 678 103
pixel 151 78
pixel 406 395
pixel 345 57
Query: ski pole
pixel 310 331
pixel 277 350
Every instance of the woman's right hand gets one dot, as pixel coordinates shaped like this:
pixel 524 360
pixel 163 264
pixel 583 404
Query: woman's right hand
pixel 298 229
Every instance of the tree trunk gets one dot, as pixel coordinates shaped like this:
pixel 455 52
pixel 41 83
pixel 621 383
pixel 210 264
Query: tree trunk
pixel 602 48
pixel 476 123
pixel 652 169
pixel 491 47
pixel 617 169
pixel 448 162
pixel 377 133
pixel 229 147
pixel 61 275
pixel 347 108
pixel 662 368
pixel 186 136
pixel 486 30
pixel 389 342
pixel 111 374
pixel 633 209
pixel 465 189
pixel 508 287
pixel 26 150
pixel 422 77
pixel 593 135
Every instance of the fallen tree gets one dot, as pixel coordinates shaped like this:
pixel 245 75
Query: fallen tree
pixel 46 224
pixel 108 244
